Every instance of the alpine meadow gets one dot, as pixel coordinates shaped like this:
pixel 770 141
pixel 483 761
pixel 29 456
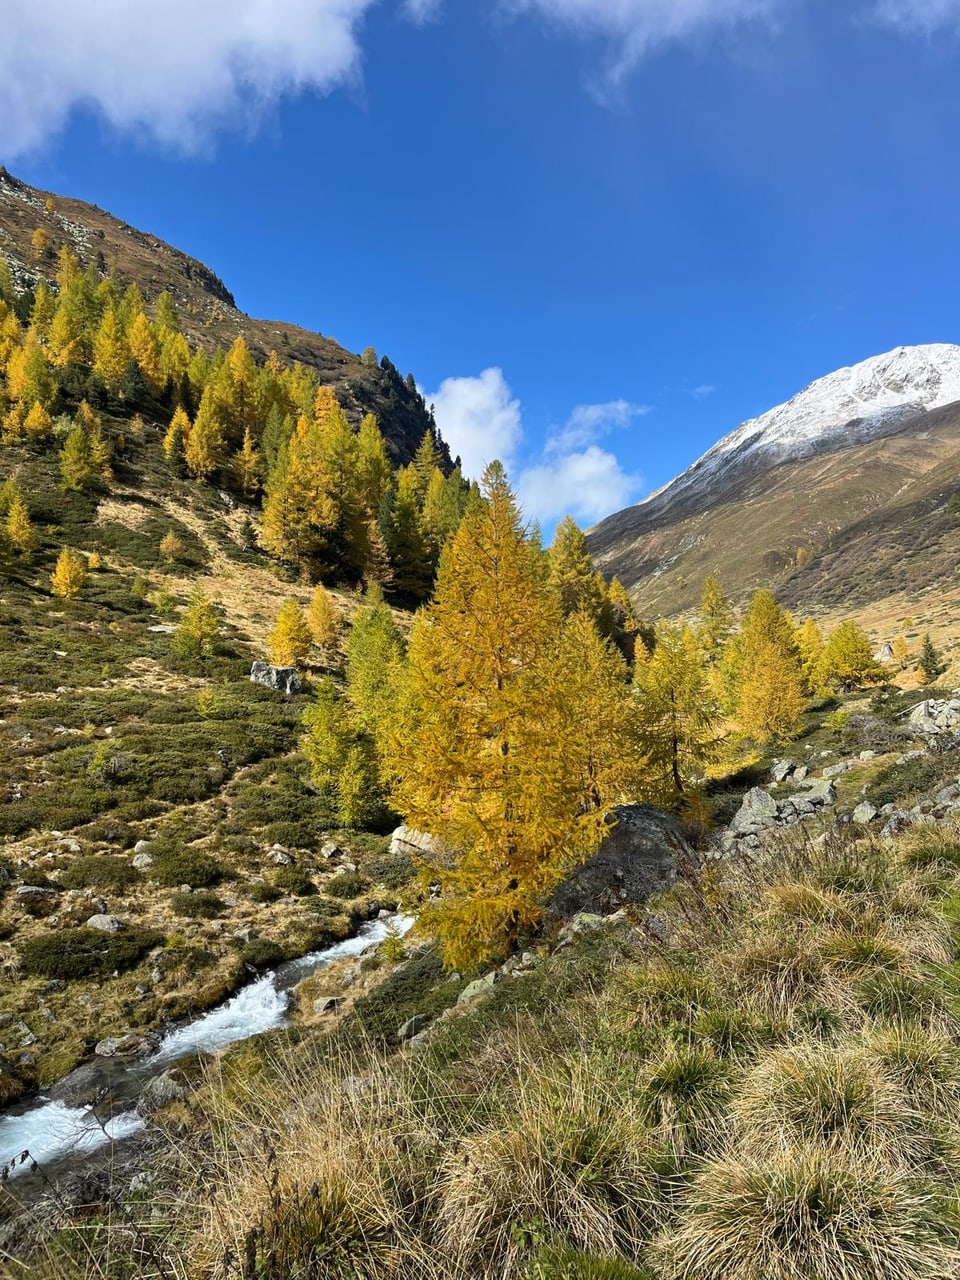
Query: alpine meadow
pixel 499 821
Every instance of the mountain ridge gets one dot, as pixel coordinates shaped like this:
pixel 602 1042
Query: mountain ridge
pixel 779 491
pixel 208 310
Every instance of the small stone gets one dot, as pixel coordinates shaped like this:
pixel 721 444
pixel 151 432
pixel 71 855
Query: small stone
pixel 865 813
pixel 413 1026
pixel 800 772
pixel 327 1004
pixel 480 987
pixel 141 861
pixel 105 923
pixel 781 769
pixel 868 755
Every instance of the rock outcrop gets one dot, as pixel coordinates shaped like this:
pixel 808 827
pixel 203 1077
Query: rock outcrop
pixel 643 853
pixel 285 680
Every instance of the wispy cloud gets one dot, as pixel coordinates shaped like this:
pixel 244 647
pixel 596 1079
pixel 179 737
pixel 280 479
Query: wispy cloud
pixel 637 27
pixel 703 391
pixel 590 422
pixel 481 419
pixel 919 15
pixel 171 69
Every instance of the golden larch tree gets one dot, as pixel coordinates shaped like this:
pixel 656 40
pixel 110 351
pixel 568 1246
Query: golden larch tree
pixel 324 618
pixel 483 751
pixel 111 352
pixel 69 575
pixel 20 534
pixel 289 641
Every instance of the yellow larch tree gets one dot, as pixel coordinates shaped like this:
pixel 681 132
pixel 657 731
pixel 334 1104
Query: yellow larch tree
pixel 111 352
pixel 324 618
pixel 19 529
pixel 145 349
pixel 38 424
pixel 810 644
pixel 847 661
pixel 69 575
pixel 289 641
pixel 175 440
pixel 771 695
pixel 483 750
pixel 677 713
pixel 248 467
pixel 203 449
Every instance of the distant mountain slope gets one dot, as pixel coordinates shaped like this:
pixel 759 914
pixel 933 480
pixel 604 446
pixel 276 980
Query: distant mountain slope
pixel 797 498
pixel 208 310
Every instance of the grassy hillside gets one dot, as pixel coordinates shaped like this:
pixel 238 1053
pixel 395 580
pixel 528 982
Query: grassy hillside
pixel 207 308
pixel 108 737
pixel 757 1076
pixel 848 529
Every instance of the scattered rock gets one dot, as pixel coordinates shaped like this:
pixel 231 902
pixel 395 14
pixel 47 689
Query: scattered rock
pixel 34 895
pixel 821 791
pixel 410 841
pixel 327 1004
pixel 781 770
pixel 128 1046
pixel 160 1092
pixel 865 813
pixel 835 770
pixel 82 1087
pixel 483 986
pixel 141 861
pixel 642 853
pixel 897 822
pixel 413 1026
pixel 284 680
pixel 279 856
pixel 105 923
pixel 800 772
pixel 758 810
pixel 868 755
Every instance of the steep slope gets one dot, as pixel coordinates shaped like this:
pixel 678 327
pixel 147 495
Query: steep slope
pixel 208 310
pixel 800 494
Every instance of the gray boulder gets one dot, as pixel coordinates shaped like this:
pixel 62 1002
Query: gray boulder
pixel 781 769
pixel 480 987
pixel 327 1004
pixel 105 923
pixel 900 820
pixel 642 853
pixel 82 1087
pixel 865 813
pixel 160 1092
pixel 284 680
pixel 821 791
pixel 412 842
pixel 758 810
pixel 413 1026
pixel 128 1046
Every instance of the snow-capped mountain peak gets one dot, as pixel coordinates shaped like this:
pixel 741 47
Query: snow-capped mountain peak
pixel 847 407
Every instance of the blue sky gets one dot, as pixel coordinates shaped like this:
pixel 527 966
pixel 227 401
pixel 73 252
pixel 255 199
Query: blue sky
pixel 599 232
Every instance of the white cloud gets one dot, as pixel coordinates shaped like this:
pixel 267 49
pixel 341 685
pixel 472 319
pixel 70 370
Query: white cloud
pixel 703 391
pixel 172 69
pixel 479 418
pixel 587 485
pixel 588 422
pixel 919 15
pixel 421 11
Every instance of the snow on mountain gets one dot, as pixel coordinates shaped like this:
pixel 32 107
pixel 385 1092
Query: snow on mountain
pixel 846 407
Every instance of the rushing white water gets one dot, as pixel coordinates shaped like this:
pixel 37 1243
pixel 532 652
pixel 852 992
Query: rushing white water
pixel 262 1006
pixel 51 1131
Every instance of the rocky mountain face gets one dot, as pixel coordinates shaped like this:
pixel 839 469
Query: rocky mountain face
pixel 833 473
pixel 208 310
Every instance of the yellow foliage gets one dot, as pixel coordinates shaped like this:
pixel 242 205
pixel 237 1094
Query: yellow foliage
pixel 20 533
pixel 771 698
pixel 289 641
pixel 323 618
pixel 38 424
pixel 70 574
pixel 500 745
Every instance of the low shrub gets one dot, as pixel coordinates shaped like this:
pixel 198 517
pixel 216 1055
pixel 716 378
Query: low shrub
pixel 99 871
pixel 294 881
pixel 197 906
pixel 85 953
pixel 177 865
pixel 262 953
pixel 261 892
pixel 347 884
